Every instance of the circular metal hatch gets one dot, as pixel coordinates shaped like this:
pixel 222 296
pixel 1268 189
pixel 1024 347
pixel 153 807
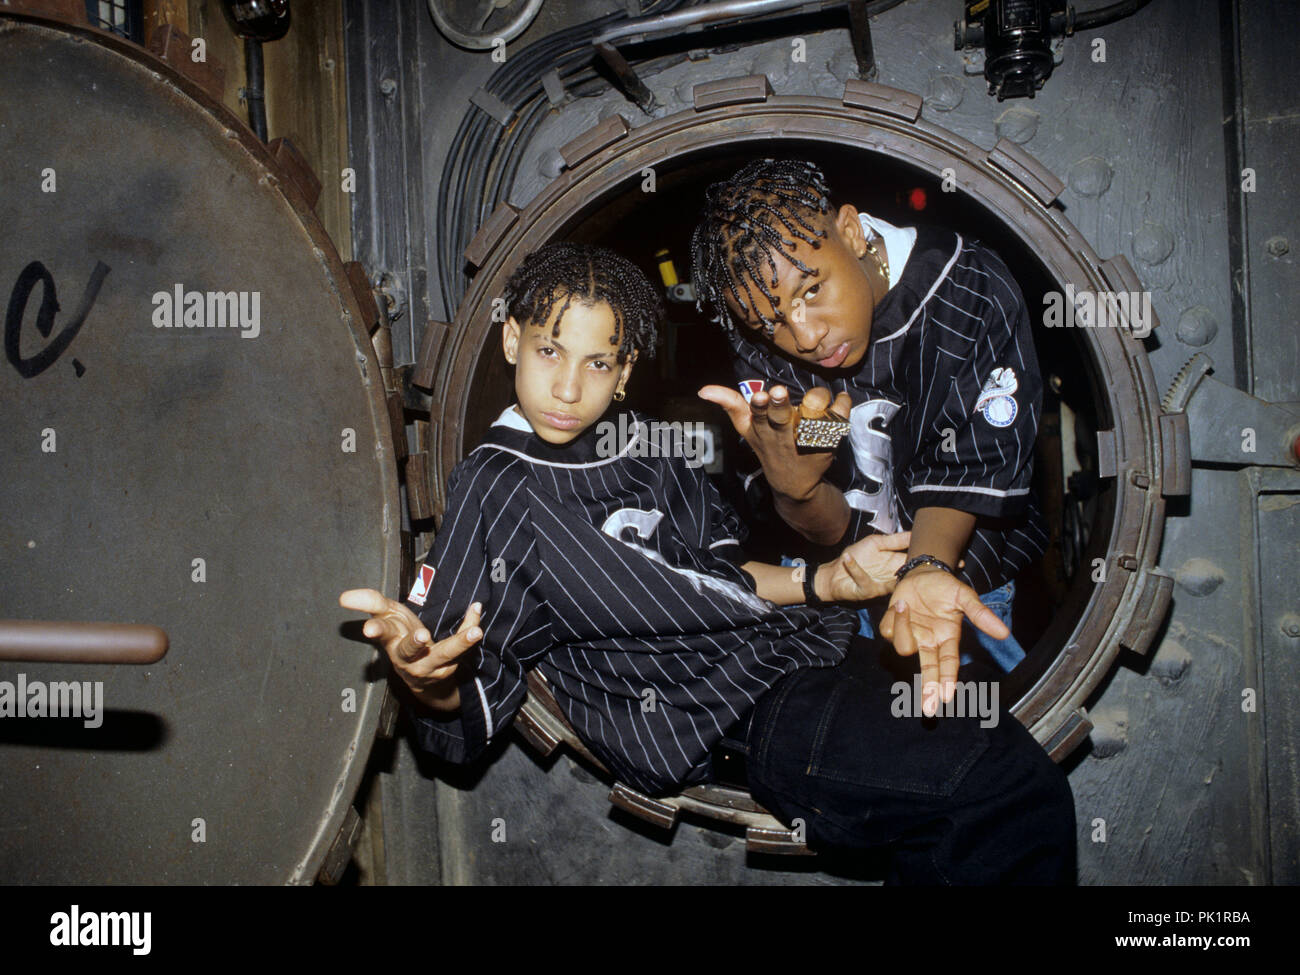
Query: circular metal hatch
pixel 1138 452
pixel 223 483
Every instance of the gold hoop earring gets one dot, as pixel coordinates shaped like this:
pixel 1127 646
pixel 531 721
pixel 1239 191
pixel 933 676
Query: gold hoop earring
pixel 619 395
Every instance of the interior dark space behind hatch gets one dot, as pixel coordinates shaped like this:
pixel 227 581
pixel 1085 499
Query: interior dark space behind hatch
pixel 694 353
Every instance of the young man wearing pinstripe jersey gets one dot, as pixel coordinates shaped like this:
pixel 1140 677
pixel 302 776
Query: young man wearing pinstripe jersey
pixel 621 577
pixel 922 336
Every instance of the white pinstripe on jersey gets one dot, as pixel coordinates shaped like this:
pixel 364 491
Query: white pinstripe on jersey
pixel 605 617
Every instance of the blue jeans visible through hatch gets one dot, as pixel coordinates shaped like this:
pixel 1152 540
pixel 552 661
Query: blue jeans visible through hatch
pixel 1005 653
pixel 951 802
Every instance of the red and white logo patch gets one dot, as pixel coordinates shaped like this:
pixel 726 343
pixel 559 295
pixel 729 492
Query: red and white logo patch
pixel 749 387
pixel 420 591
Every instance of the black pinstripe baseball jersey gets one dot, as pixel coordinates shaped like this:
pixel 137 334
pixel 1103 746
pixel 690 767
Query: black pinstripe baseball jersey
pixel 615 572
pixel 945 405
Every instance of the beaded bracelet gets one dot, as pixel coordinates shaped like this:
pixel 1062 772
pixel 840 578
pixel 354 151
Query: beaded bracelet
pixel 923 560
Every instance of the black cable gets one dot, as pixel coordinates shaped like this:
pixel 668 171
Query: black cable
pixel 512 149
pixel 580 79
pixel 485 158
pixel 465 173
pixel 254 88
pixel 471 136
pixel 575 70
pixel 1107 15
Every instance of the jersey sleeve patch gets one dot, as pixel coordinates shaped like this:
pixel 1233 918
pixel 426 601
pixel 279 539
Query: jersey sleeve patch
pixel 420 590
pixel 749 387
pixel 996 402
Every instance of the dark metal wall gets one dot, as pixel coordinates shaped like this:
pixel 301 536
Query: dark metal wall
pixel 1179 783
pixel 185 471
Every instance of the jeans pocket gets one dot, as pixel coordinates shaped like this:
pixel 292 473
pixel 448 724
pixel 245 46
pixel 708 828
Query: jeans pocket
pixel 858 740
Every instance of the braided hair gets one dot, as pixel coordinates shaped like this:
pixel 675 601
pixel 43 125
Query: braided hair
pixel 591 274
pixel 739 228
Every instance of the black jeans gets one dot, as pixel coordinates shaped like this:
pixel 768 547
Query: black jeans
pixel 950 801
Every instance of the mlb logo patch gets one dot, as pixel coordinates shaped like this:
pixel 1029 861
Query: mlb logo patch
pixel 420 591
pixel 751 386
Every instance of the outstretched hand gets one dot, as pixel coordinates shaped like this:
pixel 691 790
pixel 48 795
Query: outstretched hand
pixel 925 616
pixel 424 665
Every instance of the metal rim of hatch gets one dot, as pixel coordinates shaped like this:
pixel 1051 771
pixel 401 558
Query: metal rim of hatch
pixel 1139 454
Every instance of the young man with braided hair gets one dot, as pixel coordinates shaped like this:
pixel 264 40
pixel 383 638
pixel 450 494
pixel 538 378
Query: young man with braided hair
pixel 923 338
pixel 920 339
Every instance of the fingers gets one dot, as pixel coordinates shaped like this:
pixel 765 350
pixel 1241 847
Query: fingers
pixel 949 661
pixel 378 628
pixel 779 412
pixel 897 542
pixel 912 639
pixel 732 402
pixel 871 546
pixel 364 600
pixel 406 638
pixel 473 617
pixel 390 620
pixel 444 654
pixel 814 402
pixel 447 654
pixel 930 682
pixel 467 634
pixel 843 404
pixel 873 582
pixel 981 616
pixel 864 584
pixel 408 645
pixel 901 634
pixel 901 631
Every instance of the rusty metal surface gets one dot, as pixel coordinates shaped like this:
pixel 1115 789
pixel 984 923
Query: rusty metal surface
pixel 134 450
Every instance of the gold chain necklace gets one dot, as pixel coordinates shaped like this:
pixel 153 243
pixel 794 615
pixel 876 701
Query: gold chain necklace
pixel 882 259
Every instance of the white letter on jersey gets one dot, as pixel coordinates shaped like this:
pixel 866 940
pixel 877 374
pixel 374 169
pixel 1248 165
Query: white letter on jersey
pixel 645 523
pixel 874 455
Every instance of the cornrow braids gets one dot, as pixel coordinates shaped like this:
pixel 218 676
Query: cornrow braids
pixel 745 219
pixel 566 270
